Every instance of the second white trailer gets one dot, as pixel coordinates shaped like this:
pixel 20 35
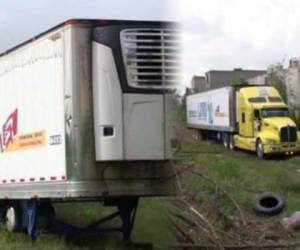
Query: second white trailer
pixel 212 110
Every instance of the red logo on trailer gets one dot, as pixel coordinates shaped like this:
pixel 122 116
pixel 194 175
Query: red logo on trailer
pixel 9 130
pixel 10 140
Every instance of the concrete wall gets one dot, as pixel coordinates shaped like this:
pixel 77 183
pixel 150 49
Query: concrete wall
pixel 221 78
pixel 258 80
pixel 292 80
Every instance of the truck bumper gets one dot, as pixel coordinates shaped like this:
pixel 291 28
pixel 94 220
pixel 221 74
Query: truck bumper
pixel 289 148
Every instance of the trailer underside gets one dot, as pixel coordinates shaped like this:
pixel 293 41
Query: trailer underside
pixel 75 190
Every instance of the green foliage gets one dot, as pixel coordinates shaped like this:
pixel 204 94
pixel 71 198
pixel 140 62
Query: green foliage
pixel 237 79
pixel 178 114
pixel 295 115
pixel 278 82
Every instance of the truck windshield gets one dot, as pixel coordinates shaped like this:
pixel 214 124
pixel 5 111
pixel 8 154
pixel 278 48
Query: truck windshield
pixel 275 112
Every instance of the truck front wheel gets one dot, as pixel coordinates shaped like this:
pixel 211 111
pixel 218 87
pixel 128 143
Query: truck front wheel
pixel 260 150
pixel 202 135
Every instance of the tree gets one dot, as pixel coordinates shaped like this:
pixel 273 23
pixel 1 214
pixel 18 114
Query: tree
pixel 237 79
pixel 277 80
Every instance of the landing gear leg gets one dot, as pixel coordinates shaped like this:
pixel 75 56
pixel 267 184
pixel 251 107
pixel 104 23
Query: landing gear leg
pixel 31 211
pixel 127 210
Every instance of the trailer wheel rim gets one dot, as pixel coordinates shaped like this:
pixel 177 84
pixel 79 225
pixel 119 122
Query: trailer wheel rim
pixel 231 143
pixel 225 140
pixel 11 220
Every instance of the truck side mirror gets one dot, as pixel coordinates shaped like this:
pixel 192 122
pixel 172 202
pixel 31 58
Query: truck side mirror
pixel 256 115
pixel 259 126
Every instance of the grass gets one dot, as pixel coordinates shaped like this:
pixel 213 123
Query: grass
pixel 242 174
pixel 151 227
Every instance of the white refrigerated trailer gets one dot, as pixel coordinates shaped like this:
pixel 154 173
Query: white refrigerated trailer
pixel 84 116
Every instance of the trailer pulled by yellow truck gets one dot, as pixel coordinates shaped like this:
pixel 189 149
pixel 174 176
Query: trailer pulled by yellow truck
pixel 253 118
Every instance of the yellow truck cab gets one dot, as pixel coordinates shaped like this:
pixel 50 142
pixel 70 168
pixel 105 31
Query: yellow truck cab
pixel 264 122
pixel 254 118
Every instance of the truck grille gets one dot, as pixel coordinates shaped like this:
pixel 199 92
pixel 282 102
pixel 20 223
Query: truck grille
pixel 151 57
pixel 288 134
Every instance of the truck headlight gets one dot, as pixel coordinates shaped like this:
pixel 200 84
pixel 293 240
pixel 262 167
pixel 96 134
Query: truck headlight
pixel 271 141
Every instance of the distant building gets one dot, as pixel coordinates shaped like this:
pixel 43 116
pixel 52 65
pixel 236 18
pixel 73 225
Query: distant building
pixel 214 79
pixel 267 78
pixel 258 80
pixel 198 84
pixel 222 78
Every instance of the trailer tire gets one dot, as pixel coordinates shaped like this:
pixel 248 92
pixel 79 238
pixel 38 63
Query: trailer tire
pixel 260 149
pixel 225 140
pixel 268 203
pixel 202 135
pixel 46 215
pixel 231 142
pixel 219 136
pixel 13 218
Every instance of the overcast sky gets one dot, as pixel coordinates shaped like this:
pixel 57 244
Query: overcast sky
pixel 218 34
pixel 21 20
pixel 226 34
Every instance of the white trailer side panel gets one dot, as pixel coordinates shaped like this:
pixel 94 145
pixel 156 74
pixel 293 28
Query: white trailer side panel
pixel 209 110
pixel 32 136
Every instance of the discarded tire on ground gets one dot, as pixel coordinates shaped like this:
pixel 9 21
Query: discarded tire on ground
pixel 268 203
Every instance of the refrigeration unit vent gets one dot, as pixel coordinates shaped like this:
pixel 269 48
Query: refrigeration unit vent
pixel 151 57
